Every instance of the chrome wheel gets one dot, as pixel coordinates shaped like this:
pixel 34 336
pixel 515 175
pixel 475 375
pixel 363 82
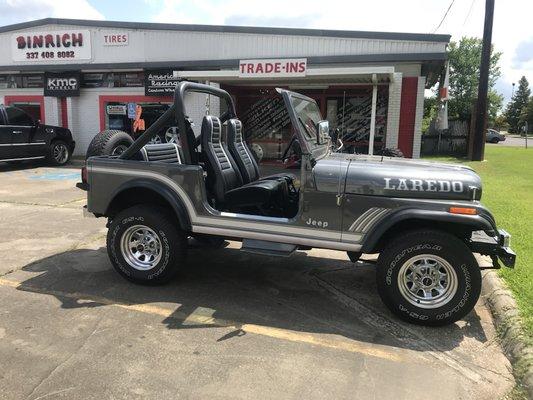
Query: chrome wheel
pixel 60 153
pixel 155 140
pixel 141 247
pixel 118 150
pixel 171 135
pixel 427 281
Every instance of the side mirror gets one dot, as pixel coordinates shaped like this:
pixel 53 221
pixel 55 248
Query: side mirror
pixel 322 131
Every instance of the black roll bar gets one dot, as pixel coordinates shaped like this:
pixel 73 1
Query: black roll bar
pixel 177 114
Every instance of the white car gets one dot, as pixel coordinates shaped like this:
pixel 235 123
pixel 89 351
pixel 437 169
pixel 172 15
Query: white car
pixel 494 136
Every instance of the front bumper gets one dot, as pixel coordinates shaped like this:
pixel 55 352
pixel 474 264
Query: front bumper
pixel 497 247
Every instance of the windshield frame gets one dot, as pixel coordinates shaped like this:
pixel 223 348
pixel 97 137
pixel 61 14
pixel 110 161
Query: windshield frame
pixel 308 138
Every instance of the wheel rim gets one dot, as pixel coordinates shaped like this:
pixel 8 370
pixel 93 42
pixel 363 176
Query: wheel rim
pixel 171 135
pixel 155 140
pixel 60 153
pixel 427 281
pixel 117 151
pixel 141 247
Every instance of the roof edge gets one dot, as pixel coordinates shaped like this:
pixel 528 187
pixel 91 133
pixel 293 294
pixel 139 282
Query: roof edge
pixel 229 63
pixel 422 37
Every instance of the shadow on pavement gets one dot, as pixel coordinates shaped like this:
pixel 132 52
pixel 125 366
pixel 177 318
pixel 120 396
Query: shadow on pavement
pixel 230 285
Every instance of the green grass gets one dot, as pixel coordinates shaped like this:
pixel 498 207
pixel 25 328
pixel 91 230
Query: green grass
pixel 507 175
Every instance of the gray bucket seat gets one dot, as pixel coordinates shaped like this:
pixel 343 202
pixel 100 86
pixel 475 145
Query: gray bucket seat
pixel 224 183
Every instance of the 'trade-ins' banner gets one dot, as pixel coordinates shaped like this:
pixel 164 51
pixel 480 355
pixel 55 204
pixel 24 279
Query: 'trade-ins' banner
pixel 65 84
pixel 160 83
pixel 49 46
pixel 285 67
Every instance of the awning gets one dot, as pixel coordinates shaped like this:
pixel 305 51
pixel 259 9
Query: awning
pixel 324 75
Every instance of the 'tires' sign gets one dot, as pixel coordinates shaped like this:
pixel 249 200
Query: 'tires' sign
pixel 286 67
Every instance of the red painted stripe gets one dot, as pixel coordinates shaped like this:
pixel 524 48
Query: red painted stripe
pixel 406 131
pixel 64 112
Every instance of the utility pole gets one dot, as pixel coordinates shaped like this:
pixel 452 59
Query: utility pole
pixel 478 150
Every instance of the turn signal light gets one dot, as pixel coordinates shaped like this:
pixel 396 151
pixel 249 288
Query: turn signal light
pixel 463 210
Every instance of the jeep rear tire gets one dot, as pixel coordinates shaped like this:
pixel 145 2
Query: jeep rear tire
pixel 145 246
pixel 428 277
pixel 109 143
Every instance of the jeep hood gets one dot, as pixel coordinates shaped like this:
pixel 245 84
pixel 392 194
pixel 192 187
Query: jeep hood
pixel 401 177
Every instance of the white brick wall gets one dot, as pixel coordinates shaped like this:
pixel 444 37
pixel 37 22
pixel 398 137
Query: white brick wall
pixel 417 139
pixel 52 113
pixel 393 113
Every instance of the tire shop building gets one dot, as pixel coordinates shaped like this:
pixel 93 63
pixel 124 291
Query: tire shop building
pixel 93 75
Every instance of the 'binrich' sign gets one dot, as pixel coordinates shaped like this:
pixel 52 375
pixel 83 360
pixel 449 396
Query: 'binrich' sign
pixel 51 46
pixel 285 67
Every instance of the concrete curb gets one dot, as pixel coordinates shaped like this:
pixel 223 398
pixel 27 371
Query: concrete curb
pixel 507 321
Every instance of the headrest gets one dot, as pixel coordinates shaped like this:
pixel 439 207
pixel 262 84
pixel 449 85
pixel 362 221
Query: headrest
pixel 211 129
pixel 235 131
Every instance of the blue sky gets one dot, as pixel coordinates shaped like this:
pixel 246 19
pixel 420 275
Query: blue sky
pixel 512 32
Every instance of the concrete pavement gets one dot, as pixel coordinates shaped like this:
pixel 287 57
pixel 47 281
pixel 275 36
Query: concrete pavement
pixel 232 325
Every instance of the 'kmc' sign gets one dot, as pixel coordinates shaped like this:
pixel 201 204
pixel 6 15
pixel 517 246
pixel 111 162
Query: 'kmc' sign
pixel 64 84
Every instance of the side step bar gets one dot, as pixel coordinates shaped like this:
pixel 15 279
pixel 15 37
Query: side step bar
pixel 268 248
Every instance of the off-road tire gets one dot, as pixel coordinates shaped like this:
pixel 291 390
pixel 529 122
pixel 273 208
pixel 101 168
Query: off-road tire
pixel 173 244
pixel 50 154
pixel 430 242
pixel 105 142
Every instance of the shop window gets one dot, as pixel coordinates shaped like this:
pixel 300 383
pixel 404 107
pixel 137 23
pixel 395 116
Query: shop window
pixel 266 124
pixel 116 117
pixel 113 79
pixel 16 116
pixel 32 109
pixel 21 81
pixel 351 114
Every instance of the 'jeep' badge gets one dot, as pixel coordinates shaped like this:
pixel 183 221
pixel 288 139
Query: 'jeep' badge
pixel 423 185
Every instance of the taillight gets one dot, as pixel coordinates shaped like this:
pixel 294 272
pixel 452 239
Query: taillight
pixel 84 174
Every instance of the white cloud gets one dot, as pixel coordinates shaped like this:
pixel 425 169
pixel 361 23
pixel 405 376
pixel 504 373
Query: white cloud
pixel 14 11
pixel 512 24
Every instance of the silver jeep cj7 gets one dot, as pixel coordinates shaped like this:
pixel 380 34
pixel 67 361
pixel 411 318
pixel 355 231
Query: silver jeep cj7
pixel 424 219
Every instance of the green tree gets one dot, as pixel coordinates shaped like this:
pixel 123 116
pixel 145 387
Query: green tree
pixel 430 112
pixel 527 116
pixel 517 104
pixel 464 58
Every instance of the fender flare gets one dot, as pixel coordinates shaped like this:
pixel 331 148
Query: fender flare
pixel 173 199
pixel 476 222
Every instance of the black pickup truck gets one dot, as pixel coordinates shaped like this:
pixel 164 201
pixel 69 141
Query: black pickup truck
pixel 22 138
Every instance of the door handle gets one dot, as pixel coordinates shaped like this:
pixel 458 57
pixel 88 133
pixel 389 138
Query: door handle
pixel 17 131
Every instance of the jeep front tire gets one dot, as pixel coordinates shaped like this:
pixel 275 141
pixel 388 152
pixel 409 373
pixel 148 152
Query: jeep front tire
pixel 145 246
pixel 428 277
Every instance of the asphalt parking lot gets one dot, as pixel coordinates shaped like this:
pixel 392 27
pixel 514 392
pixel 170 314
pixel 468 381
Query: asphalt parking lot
pixel 232 326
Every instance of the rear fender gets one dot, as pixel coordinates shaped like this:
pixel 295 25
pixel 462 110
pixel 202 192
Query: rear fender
pixel 142 187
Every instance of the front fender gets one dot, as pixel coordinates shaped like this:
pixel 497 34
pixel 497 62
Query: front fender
pixel 473 222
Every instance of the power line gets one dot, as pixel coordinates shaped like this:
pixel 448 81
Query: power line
pixel 444 17
pixel 469 12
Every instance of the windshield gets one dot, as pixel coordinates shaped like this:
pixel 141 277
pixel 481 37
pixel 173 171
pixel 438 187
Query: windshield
pixel 308 115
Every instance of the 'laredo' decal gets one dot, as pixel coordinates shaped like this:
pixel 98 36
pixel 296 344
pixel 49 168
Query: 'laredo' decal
pixel 423 185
